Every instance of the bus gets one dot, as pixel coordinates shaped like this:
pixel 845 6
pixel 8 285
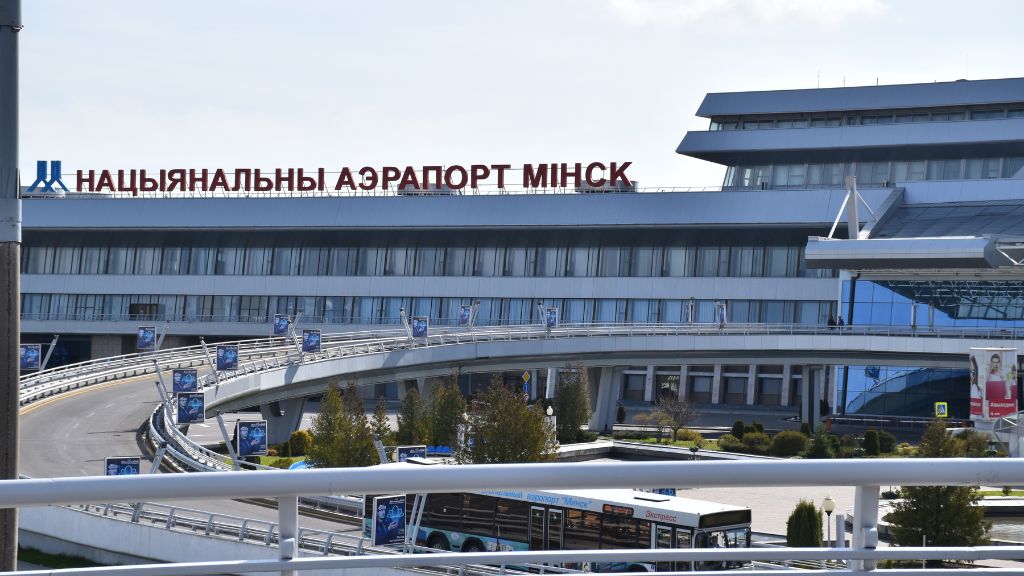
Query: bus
pixel 506 520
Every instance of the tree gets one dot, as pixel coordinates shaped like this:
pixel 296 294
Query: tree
pixel 943 515
pixel 446 412
pixel 324 429
pixel 872 447
pixel 380 425
pixel 341 432
pixel 359 449
pixel 572 403
pixel 504 429
pixel 803 528
pixel 299 442
pixel 821 446
pixel 738 429
pixel 412 424
pixel 678 412
pixel 656 419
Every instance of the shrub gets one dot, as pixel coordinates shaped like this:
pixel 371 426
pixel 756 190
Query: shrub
pixel 687 435
pixel 271 451
pixel 299 442
pixel 886 442
pixel 788 443
pixel 820 446
pixel 757 443
pixel 872 447
pixel 586 436
pixel 805 429
pixel 737 429
pixel 803 528
pixel 282 463
pixel 848 441
pixel 757 426
pixel 889 494
pixel 730 443
pixel 834 442
pixel 1007 490
pixel 620 414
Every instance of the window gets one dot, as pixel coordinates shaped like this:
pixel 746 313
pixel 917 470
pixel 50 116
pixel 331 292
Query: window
pixel 633 387
pixel 550 261
pixel 735 389
pixel 511 520
pixel 458 262
pixel 712 261
pixel 979 168
pixel 229 261
pixel 582 261
pixel 618 532
pixel 314 261
pixel 643 262
pixel 147 260
pixel 342 261
pixel 908 171
pixel 679 260
pixel 443 511
pixel 371 261
pixel 944 169
pixel 67 260
pixel 94 260
pixel 519 261
pixel 582 530
pixel 257 260
pixel 477 514
pixel 614 262
pixel 399 261
pixel 489 261
pixel 429 261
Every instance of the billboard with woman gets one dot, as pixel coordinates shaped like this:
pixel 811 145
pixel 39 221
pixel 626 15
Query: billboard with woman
pixel 993 376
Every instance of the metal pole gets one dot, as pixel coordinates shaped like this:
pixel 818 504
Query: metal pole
pixel 213 365
pixel 46 359
pixel 227 441
pixel 10 248
pixel 288 526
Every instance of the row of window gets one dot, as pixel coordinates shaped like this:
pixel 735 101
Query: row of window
pixel 820 120
pixel 545 261
pixel 382 310
pixel 872 173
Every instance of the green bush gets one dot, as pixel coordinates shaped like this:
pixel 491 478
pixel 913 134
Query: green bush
pixel 805 429
pixel 299 442
pixel 820 446
pixel 757 426
pixel 803 528
pixel 788 443
pixel 586 436
pixel 737 429
pixel 848 441
pixel 834 442
pixel 282 463
pixel 886 442
pixel 620 414
pixel 687 435
pixel 730 443
pixel 872 447
pixel 757 443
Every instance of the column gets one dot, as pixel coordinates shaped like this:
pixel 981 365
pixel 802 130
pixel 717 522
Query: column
pixel 819 383
pixel 649 385
pixel 283 417
pixel 716 385
pixel 424 388
pixel 599 417
pixel 805 394
pixel 534 384
pixel 684 374
pixel 787 377
pixel 751 384
pixel 549 391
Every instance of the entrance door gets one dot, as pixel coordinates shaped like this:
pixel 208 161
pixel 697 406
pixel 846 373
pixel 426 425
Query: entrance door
pixel 538 538
pixel 663 539
pixel 554 536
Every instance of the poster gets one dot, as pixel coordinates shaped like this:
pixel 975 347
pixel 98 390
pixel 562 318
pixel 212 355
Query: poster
pixel 403 453
pixel 311 341
pixel 993 381
pixel 146 338
pixel 184 380
pixel 251 438
pixel 551 318
pixel 123 466
pixel 281 322
pixel 388 520
pixel 191 407
pixel 29 356
pixel 465 312
pixel 419 327
pixel 227 357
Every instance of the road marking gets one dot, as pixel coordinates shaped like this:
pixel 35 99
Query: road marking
pixel 73 393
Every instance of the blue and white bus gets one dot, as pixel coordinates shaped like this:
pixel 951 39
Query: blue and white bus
pixel 581 520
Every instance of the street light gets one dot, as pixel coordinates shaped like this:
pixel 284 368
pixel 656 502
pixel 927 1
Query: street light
pixel 828 506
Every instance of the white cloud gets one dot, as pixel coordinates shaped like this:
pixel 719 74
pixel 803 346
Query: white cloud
pixel 675 12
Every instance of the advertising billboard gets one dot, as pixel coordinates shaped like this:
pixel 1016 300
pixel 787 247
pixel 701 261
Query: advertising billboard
pixel 145 338
pixel 122 466
pixel 465 313
pixel 311 341
pixel 993 377
pixel 551 318
pixel 184 380
pixel 29 356
pixel 191 407
pixel 419 327
pixel 403 453
pixel 251 438
pixel 281 322
pixel 227 357
pixel 388 520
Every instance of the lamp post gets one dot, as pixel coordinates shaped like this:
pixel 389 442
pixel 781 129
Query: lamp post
pixel 828 505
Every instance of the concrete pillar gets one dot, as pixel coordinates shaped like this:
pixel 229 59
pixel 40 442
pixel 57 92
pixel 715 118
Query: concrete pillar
pixel 751 384
pixel 549 390
pixel 787 377
pixel 105 345
pixel 534 384
pixel 816 389
pixel 649 385
pixel 283 418
pixel 805 394
pixel 684 374
pixel 716 385
pixel 424 388
pixel 599 418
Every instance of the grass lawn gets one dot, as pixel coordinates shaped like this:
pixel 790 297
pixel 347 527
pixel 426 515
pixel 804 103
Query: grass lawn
pixel 55 561
pixel 1017 493
pixel 266 460
pixel 708 444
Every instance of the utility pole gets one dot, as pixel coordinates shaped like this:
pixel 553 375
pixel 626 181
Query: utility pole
pixel 10 248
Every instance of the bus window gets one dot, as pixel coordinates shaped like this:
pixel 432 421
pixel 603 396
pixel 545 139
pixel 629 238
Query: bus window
pixel 443 512
pixel 554 529
pixel 582 530
pixel 663 539
pixel 618 532
pixel 682 541
pixel 536 528
pixel 477 514
pixel 511 519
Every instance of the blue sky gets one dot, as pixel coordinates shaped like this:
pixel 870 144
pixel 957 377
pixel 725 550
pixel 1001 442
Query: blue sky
pixel 265 84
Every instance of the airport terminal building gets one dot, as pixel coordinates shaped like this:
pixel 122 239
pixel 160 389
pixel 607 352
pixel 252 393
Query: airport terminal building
pixel 939 238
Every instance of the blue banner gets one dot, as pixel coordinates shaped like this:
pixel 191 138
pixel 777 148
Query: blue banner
pixel 184 380
pixel 191 407
pixel 419 327
pixel 130 466
pixel 403 453
pixel 311 341
pixel 29 356
pixel 281 322
pixel 146 338
pixel 551 319
pixel 252 438
pixel 465 312
pixel 388 521
pixel 227 357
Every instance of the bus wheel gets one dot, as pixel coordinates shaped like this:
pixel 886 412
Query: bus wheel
pixel 438 542
pixel 473 546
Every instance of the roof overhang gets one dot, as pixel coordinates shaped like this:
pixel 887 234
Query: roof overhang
pixel 906 253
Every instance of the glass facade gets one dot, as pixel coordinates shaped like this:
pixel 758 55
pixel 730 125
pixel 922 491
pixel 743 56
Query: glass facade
pixel 865 118
pixel 983 305
pixel 905 391
pixel 871 173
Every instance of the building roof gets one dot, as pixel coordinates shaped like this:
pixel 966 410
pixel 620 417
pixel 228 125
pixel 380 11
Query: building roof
pixel 985 218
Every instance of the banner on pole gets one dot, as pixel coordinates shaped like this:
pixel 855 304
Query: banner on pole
pixel 403 453
pixel 145 339
pixel 551 320
pixel 311 341
pixel 227 357
pixel 123 466
pixel 465 312
pixel 191 407
pixel 419 327
pixel 184 380
pixel 993 378
pixel 281 322
pixel 29 356
pixel 388 520
pixel 251 438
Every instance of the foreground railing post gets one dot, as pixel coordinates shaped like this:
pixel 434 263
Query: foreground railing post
pixel 865 524
pixel 288 525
